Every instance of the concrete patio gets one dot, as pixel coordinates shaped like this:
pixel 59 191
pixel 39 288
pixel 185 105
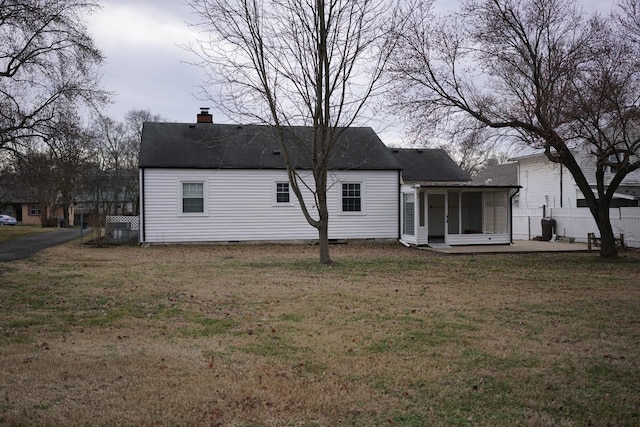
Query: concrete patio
pixel 518 246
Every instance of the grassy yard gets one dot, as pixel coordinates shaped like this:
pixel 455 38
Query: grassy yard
pixel 17 231
pixel 264 336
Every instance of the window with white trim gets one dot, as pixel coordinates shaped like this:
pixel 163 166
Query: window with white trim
pixel 614 160
pixel 282 193
pixel 408 222
pixel 34 209
pixel 351 197
pixel 192 197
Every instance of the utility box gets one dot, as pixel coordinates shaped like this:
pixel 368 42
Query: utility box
pixel 118 232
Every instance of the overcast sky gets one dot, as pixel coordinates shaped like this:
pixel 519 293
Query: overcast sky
pixel 145 66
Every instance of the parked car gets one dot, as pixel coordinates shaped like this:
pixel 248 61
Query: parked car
pixel 7 220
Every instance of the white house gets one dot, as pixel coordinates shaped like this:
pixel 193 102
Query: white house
pixel 207 182
pixel 549 190
pixel 551 185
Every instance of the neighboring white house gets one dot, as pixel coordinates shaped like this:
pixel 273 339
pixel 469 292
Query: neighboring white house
pixel 207 182
pixel 549 190
pixel 551 185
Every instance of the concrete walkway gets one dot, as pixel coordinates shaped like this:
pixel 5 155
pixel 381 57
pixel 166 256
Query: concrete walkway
pixel 518 246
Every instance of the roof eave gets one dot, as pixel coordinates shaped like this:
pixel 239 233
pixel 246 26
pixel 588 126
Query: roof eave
pixel 458 184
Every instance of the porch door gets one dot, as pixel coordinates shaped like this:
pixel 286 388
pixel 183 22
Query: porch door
pixel 437 217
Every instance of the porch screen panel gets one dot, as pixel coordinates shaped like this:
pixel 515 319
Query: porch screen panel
pixel 495 212
pixel 453 214
pixel 471 212
pixel 408 224
pixel 501 215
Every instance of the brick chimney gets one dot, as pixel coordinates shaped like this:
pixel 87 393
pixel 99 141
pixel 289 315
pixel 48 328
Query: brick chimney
pixel 204 116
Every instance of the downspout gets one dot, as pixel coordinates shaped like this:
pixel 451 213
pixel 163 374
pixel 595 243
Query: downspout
pixel 561 195
pixel 398 204
pixel 142 209
pixel 511 214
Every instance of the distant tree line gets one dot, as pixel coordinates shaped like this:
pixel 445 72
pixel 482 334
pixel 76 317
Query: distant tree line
pixel 97 164
pixel 55 145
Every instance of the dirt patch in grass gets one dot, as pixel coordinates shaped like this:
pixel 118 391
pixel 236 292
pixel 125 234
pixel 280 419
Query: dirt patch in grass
pixel 263 335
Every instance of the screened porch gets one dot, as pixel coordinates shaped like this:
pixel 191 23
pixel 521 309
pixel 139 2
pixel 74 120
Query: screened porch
pixel 461 216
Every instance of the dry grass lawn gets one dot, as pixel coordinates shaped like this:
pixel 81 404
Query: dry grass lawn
pixel 264 336
pixel 12 232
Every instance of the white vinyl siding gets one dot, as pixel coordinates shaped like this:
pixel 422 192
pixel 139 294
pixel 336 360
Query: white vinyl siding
pixel 540 180
pixel 240 206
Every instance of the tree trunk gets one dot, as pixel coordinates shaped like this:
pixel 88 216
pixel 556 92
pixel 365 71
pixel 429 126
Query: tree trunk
pixel 323 228
pixel 323 240
pixel 608 247
pixel 65 215
pixel 598 205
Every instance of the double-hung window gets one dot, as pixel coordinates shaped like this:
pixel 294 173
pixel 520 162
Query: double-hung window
pixel 34 209
pixel 351 197
pixel 192 197
pixel 282 193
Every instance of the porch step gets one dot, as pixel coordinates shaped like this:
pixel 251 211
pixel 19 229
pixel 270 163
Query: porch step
pixel 438 245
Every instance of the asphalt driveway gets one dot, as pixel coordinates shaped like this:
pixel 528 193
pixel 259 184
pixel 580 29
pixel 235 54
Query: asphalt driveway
pixel 26 247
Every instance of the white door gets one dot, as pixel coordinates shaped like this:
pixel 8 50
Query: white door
pixel 437 218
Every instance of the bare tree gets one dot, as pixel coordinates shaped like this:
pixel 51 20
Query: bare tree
pixel 629 18
pixel 53 172
pixel 116 145
pixel 284 63
pixel 133 120
pixel 35 172
pixel 538 70
pixel 115 162
pixel 70 151
pixel 47 58
pixel 473 150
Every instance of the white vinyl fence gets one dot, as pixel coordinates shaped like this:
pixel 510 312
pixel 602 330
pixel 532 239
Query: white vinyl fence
pixel 577 223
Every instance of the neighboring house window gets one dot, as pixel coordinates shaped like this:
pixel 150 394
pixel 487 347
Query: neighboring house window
pixel 408 207
pixel 34 209
pixel 282 192
pixel 351 197
pixel 613 158
pixel 192 197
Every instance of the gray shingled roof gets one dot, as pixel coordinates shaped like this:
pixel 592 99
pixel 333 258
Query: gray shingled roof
pixel 225 146
pixel 428 165
pixel 498 175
